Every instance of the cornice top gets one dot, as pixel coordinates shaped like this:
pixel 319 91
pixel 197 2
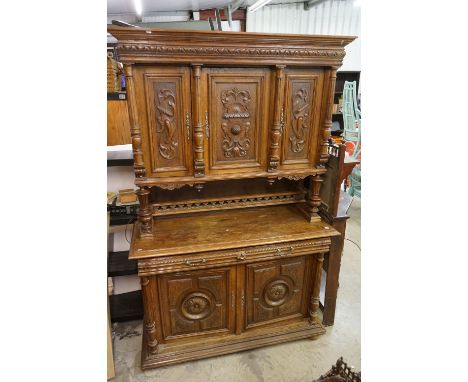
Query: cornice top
pixel 146 35
pixel 158 45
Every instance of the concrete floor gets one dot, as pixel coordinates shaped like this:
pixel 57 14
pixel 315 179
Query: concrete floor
pixel 302 360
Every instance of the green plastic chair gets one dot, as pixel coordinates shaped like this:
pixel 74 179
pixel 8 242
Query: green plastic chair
pixel 352 133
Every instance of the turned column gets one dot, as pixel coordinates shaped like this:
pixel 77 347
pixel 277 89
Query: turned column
pixel 326 131
pixel 313 197
pixel 145 215
pixel 135 131
pixel 278 120
pixel 315 298
pixel 148 292
pixel 199 164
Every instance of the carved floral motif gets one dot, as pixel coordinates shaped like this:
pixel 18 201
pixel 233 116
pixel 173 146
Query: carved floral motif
pixel 236 141
pixel 166 127
pixel 300 121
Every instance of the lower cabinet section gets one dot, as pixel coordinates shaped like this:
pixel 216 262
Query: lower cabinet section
pixel 208 312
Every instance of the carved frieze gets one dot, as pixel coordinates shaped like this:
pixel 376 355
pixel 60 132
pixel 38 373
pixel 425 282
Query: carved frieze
pixel 213 50
pixel 166 127
pixel 236 140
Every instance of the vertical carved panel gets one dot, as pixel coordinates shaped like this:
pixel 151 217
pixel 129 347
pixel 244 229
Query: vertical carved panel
pixel 195 302
pixel 274 290
pixel 166 120
pixel 300 118
pixel 167 93
pixel 238 113
pixel 303 93
pixel 236 125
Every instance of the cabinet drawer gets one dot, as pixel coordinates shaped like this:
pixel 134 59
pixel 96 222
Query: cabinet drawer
pixel 245 255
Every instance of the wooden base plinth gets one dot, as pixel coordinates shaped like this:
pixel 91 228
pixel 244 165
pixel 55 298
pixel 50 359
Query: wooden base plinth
pixel 175 353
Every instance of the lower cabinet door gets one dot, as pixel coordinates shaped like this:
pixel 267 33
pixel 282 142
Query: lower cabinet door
pixel 197 302
pixel 276 290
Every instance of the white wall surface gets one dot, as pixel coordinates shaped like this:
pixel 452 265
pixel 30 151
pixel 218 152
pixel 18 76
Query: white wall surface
pixel 332 17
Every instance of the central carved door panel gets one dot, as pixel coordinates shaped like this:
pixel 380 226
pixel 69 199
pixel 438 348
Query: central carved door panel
pixel 163 99
pixel 237 119
pixel 302 106
pixel 197 302
pixel 276 290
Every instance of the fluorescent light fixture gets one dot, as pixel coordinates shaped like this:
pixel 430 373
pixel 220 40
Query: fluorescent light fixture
pixel 138 7
pixel 357 3
pixel 257 5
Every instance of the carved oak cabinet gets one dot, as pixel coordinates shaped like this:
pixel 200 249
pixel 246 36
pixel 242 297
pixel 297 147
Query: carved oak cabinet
pixel 229 134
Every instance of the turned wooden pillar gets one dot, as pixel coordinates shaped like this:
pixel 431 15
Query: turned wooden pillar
pixel 313 197
pixel 199 164
pixel 326 131
pixel 145 215
pixel 278 120
pixel 315 298
pixel 135 131
pixel 149 294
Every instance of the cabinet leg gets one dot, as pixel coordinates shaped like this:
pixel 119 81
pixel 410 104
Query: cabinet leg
pixel 315 298
pixel 145 216
pixel 313 198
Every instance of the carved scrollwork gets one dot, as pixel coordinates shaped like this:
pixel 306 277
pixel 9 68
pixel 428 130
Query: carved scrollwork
pixel 300 121
pixel 236 141
pixel 166 127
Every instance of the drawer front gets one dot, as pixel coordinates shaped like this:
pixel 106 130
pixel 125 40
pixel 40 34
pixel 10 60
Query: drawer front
pixel 247 255
pixel 275 290
pixel 197 302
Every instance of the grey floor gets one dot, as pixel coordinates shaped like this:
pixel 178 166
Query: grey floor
pixel 302 360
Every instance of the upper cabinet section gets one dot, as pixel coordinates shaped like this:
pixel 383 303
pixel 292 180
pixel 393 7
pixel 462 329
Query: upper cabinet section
pixel 207 106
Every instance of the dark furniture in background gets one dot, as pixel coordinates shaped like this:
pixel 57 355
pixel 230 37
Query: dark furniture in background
pixel 238 124
pixel 334 207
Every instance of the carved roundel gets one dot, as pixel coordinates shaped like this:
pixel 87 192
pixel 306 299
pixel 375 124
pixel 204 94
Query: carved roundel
pixel 197 305
pixel 276 292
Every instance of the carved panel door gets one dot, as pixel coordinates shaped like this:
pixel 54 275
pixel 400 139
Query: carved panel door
pixel 163 95
pixel 197 302
pixel 302 105
pixel 276 290
pixel 237 119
